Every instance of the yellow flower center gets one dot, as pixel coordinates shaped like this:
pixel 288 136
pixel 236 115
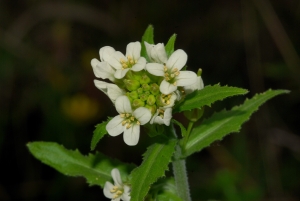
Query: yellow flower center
pixel 129 63
pixel 170 75
pixel 129 120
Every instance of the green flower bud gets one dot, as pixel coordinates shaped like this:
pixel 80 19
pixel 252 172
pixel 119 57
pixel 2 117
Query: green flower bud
pixel 151 100
pixel 134 94
pixel 145 79
pixel 152 108
pixel 138 103
pixel 194 114
pixel 143 97
pixel 129 97
pixel 131 85
pixel 140 90
pixel 199 73
pixel 158 101
pixel 154 89
pixel 146 87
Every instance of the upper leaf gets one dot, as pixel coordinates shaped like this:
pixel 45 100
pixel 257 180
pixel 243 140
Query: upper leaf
pixel 154 165
pixel 207 96
pixel 95 168
pixel 148 37
pixel 99 132
pixel 170 45
pixel 225 122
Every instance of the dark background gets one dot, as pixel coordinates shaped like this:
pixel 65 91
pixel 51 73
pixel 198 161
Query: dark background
pixel 47 90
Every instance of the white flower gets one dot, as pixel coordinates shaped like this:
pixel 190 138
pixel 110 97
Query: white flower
pixel 133 60
pixel 156 53
pixel 168 100
pixel 173 77
pixel 128 122
pixel 118 191
pixel 111 90
pixel 162 116
pixel 198 85
pixel 103 69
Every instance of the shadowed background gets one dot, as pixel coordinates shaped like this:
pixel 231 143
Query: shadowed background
pixel 48 94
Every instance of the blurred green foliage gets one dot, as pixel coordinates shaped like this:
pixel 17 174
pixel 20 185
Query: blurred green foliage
pixel 48 94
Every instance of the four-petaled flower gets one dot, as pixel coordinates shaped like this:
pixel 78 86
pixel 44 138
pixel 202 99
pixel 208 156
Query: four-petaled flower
pixel 162 116
pixel 117 191
pixel 128 121
pixel 133 60
pixel 173 77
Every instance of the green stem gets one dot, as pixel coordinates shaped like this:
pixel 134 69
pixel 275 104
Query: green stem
pixel 180 173
pixel 186 137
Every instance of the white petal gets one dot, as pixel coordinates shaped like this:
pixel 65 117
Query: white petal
pixel 198 85
pixel 114 126
pixel 103 70
pixel 115 59
pixel 140 65
pixel 101 85
pixel 126 194
pixel 142 114
pixel 158 120
pixel 186 78
pixel 133 50
pixel 113 92
pixel 149 48
pixel 177 60
pixel 131 135
pixel 115 173
pixel 167 116
pixel 106 190
pixel 173 98
pixel 166 88
pixel 120 73
pixel 123 105
pixel 159 54
pixel 106 52
pixel 155 69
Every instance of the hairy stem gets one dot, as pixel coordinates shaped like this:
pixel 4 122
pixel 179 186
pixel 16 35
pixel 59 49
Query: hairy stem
pixel 180 173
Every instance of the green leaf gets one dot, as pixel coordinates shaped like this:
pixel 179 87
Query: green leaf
pixel 95 168
pixel 154 165
pixel 182 128
pixel 164 190
pixel 207 96
pixel 225 122
pixel 148 37
pixel 99 132
pixel 170 45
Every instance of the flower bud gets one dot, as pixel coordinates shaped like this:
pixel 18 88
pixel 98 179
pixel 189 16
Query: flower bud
pixel 144 96
pixel 151 100
pixel 145 87
pixel 131 85
pixel 140 90
pixel 145 79
pixel 138 103
pixel 154 89
pixel 152 108
pixel 194 114
pixel 134 95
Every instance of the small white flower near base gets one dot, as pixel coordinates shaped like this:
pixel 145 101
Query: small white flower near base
pixel 162 116
pixel 173 77
pixel 117 191
pixel 128 121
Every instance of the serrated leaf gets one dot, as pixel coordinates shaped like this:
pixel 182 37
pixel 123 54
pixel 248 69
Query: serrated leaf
pixel 95 168
pixel 170 45
pixel 149 38
pixel 225 122
pixel 99 132
pixel 154 165
pixel 207 96
pixel 182 128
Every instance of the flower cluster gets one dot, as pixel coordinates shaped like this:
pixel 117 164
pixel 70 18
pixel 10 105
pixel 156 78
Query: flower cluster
pixel 142 91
